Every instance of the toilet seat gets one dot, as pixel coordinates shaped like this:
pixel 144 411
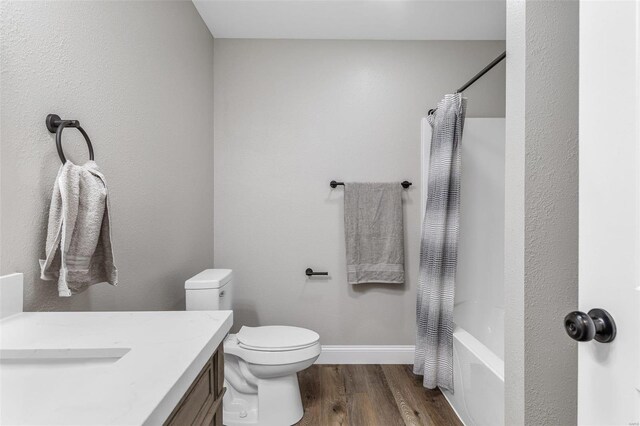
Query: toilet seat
pixel 270 357
pixel 276 338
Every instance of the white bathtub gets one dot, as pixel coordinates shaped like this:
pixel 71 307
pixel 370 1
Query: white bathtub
pixel 478 369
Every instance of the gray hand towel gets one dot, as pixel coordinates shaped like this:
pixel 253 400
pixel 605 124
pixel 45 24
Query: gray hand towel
pixel 374 233
pixel 78 248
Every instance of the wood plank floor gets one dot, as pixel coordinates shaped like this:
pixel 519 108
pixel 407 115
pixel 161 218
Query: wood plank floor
pixel 370 395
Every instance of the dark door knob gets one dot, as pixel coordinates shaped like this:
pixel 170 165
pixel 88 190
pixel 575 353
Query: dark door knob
pixel 598 324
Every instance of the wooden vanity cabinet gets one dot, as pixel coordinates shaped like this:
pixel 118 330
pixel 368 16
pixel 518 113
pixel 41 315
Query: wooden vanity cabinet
pixel 202 403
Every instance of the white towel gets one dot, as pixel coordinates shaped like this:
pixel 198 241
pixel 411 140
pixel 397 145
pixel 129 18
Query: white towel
pixel 78 248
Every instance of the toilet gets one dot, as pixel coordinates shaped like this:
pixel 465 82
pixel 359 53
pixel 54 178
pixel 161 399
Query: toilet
pixel 260 362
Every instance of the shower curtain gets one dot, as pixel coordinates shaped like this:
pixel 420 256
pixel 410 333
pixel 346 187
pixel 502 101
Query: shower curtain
pixel 439 247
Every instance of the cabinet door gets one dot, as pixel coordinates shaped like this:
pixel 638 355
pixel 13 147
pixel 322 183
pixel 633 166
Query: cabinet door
pixel 202 403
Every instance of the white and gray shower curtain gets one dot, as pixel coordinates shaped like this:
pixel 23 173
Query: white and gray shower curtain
pixel 439 247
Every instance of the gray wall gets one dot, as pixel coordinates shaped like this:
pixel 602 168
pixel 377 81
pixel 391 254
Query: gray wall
pixel 541 236
pixel 290 117
pixel 138 76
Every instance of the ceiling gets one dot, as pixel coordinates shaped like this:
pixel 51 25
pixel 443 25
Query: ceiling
pixel 356 20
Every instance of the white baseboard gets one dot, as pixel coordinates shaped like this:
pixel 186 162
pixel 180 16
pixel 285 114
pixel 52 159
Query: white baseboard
pixel 366 354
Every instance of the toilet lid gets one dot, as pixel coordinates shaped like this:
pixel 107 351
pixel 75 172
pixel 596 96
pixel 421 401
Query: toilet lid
pixel 276 338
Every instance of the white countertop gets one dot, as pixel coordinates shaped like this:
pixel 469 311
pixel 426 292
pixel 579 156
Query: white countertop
pixel 134 369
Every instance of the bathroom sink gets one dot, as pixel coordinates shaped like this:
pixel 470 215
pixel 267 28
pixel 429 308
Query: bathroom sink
pixel 61 358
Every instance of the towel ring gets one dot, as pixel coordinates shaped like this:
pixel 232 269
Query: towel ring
pixel 56 125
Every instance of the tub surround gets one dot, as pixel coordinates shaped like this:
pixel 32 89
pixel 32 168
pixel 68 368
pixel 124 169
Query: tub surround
pixel 78 368
pixel 478 337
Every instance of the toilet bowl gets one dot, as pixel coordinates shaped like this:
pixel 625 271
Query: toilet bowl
pixel 261 363
pixel 260 373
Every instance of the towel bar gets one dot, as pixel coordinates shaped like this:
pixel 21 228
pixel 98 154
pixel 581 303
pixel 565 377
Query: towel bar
pixel 405 184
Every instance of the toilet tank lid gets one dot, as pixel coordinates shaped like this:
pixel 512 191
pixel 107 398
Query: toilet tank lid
pixel 209 278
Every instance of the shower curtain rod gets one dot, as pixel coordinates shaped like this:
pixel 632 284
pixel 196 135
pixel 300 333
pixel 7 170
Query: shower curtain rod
pixel 476 77
pixel 485 70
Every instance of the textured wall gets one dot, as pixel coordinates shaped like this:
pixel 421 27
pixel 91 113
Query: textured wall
pixel 138 76
pixel 542 212
pixel 290 117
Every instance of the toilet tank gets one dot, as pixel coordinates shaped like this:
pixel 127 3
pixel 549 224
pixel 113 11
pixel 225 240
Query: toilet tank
pixel 210 290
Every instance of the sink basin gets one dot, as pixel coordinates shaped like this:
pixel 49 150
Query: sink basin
pixel 77 357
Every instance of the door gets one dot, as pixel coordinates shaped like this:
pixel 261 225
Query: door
pixel 609 373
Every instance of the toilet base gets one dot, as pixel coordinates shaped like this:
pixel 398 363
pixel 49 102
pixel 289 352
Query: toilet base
pixel 277 403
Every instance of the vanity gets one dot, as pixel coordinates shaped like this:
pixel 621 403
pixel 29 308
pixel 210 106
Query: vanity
pixel 111 368
pixel 202 402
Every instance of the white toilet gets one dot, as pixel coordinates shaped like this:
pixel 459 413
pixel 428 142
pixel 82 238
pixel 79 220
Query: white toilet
pixel 260 362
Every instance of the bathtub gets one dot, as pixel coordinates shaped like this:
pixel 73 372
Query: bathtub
pixel 478 365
